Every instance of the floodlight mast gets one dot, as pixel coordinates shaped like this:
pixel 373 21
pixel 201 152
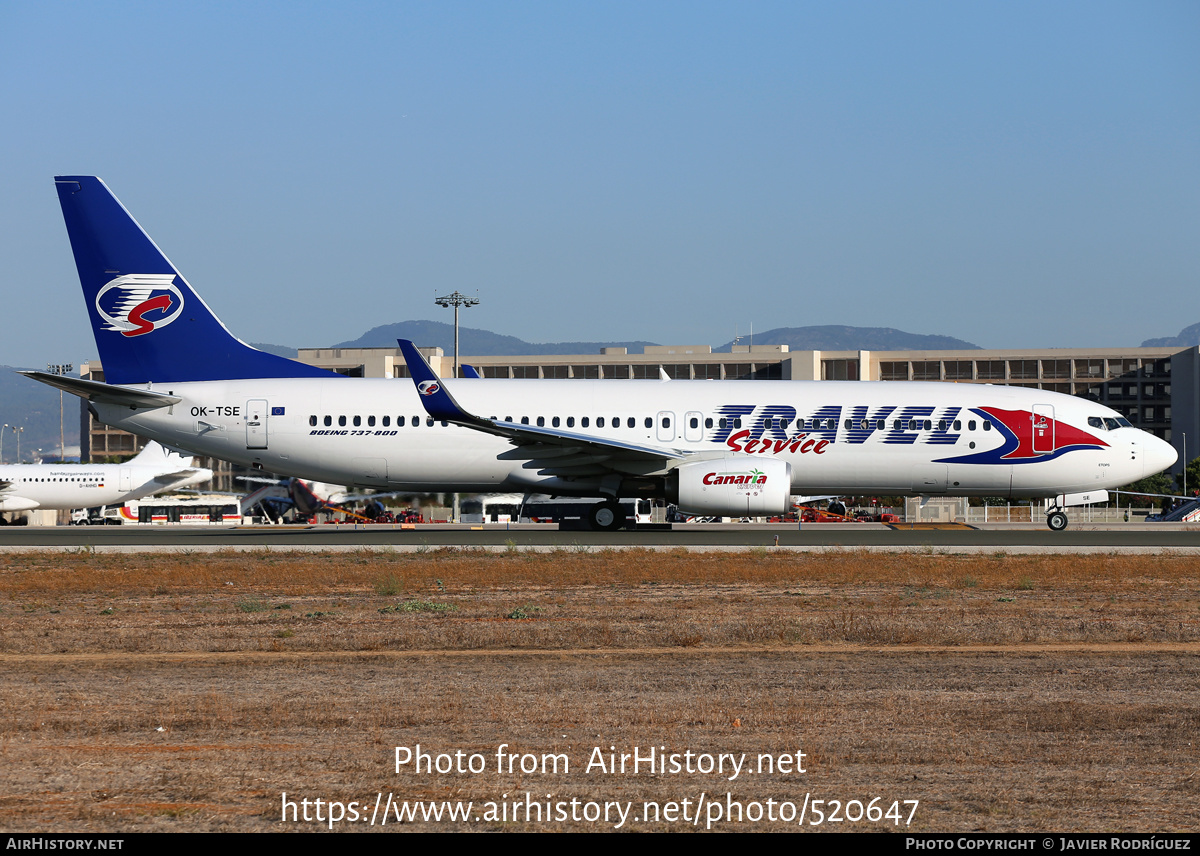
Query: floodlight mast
pixel 456 300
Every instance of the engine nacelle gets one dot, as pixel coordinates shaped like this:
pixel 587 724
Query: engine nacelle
pixel 736 486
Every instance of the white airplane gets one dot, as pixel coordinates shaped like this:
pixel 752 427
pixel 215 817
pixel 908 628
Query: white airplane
pixel 24 487
pixel 731 448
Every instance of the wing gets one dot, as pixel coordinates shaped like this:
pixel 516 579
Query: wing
pixel 551 451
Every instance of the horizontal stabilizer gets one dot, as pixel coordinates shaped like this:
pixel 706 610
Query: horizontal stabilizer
pixel 103 393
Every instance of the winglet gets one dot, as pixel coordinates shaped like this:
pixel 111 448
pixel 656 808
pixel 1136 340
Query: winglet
pixel 470 371
pixel 435 398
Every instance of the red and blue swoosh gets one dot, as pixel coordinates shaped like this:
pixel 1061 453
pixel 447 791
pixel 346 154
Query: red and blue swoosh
pixel 1016 426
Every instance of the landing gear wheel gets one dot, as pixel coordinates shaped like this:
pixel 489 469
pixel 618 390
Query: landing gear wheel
pixel 1057 521
pixel 606 516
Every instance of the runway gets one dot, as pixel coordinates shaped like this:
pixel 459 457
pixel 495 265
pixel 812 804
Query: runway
pixel 1016 538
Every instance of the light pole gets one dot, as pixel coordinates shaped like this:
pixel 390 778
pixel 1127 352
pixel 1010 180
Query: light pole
pixel 60 370
pixel 18 432
pixel 1185 463
pixel 2 433
pixel 456 300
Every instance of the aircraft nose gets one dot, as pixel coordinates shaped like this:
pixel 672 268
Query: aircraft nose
pixel 1157 455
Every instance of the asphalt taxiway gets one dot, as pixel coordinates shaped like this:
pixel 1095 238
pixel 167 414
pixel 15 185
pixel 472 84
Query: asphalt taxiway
pixel 950 538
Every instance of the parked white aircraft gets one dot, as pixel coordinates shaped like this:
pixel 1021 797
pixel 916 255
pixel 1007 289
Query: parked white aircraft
pixel 24 487
pixel 732 448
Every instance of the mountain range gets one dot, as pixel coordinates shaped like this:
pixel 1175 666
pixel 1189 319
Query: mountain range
pixel 486 343
pixel 1187 337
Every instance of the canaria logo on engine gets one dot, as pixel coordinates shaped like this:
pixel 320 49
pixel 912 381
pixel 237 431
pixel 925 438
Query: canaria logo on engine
pixel 139 303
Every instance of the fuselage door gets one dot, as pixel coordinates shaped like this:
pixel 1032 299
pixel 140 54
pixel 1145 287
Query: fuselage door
pixel 256 424
pixel 693 431
pixel 1043 429
pixel 666 426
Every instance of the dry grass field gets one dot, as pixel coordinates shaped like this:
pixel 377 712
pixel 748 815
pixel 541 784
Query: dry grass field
pixel 190 692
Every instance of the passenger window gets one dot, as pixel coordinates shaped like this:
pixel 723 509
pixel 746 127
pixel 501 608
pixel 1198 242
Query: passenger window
pixel 554 422
pixel 695 423
pixel 429 422
pixel 737 422
pixel 928 425
pixel 387 420
pixel 957 425
pixel 971 425
pixel 599 421
pixel 312 420
pixel 881 424
pixel 584 422
pixel 328 421
pixel 650 422
pixel 399 421
pixel 541 421
pixel 342 421
pixel 849 423
pixel 987 425
pixel 666 423
pixel 708 423
pixel 722 423
pixel 524 420
pixel 783 423
pixel 570 421
pixel 632 423
pixel 942 425
pixel 370 421
pixel 912 425
pixel 416 420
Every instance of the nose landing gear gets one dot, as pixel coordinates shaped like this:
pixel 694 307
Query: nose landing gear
pixel 1056 520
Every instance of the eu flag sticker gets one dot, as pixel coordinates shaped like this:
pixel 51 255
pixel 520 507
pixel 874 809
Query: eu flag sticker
pixel 276 411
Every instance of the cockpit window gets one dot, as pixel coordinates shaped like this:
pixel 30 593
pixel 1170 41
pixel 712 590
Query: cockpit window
pixel 1112 424
pixel 1124 423
pixel 1095 422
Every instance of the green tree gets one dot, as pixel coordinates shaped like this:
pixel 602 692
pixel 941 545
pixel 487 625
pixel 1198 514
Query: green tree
pixel 1193 478
pixel 1159 483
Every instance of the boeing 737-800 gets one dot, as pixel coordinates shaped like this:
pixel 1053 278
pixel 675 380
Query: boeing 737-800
pixel 733 448
pixel 24 487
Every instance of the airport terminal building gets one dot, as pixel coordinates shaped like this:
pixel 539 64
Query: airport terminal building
pixel 1156 389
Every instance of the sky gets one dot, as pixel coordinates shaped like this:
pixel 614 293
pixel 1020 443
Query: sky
pixel 1016 174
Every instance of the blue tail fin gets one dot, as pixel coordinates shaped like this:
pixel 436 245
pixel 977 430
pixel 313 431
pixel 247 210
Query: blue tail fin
pixel 150 326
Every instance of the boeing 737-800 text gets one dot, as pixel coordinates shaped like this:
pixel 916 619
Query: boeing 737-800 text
pixel 176 374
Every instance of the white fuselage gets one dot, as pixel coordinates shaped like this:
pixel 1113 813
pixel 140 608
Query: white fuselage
pixel 839 437
pixel 66 486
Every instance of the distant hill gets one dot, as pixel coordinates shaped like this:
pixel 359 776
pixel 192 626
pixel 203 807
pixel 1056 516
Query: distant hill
pixel 1187 337
pixel 277 350
pixel 473 341
pixel 34 407
pixel 834 337
pixel 486 343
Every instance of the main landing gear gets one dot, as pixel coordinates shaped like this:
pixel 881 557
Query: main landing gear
pixel 606 516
